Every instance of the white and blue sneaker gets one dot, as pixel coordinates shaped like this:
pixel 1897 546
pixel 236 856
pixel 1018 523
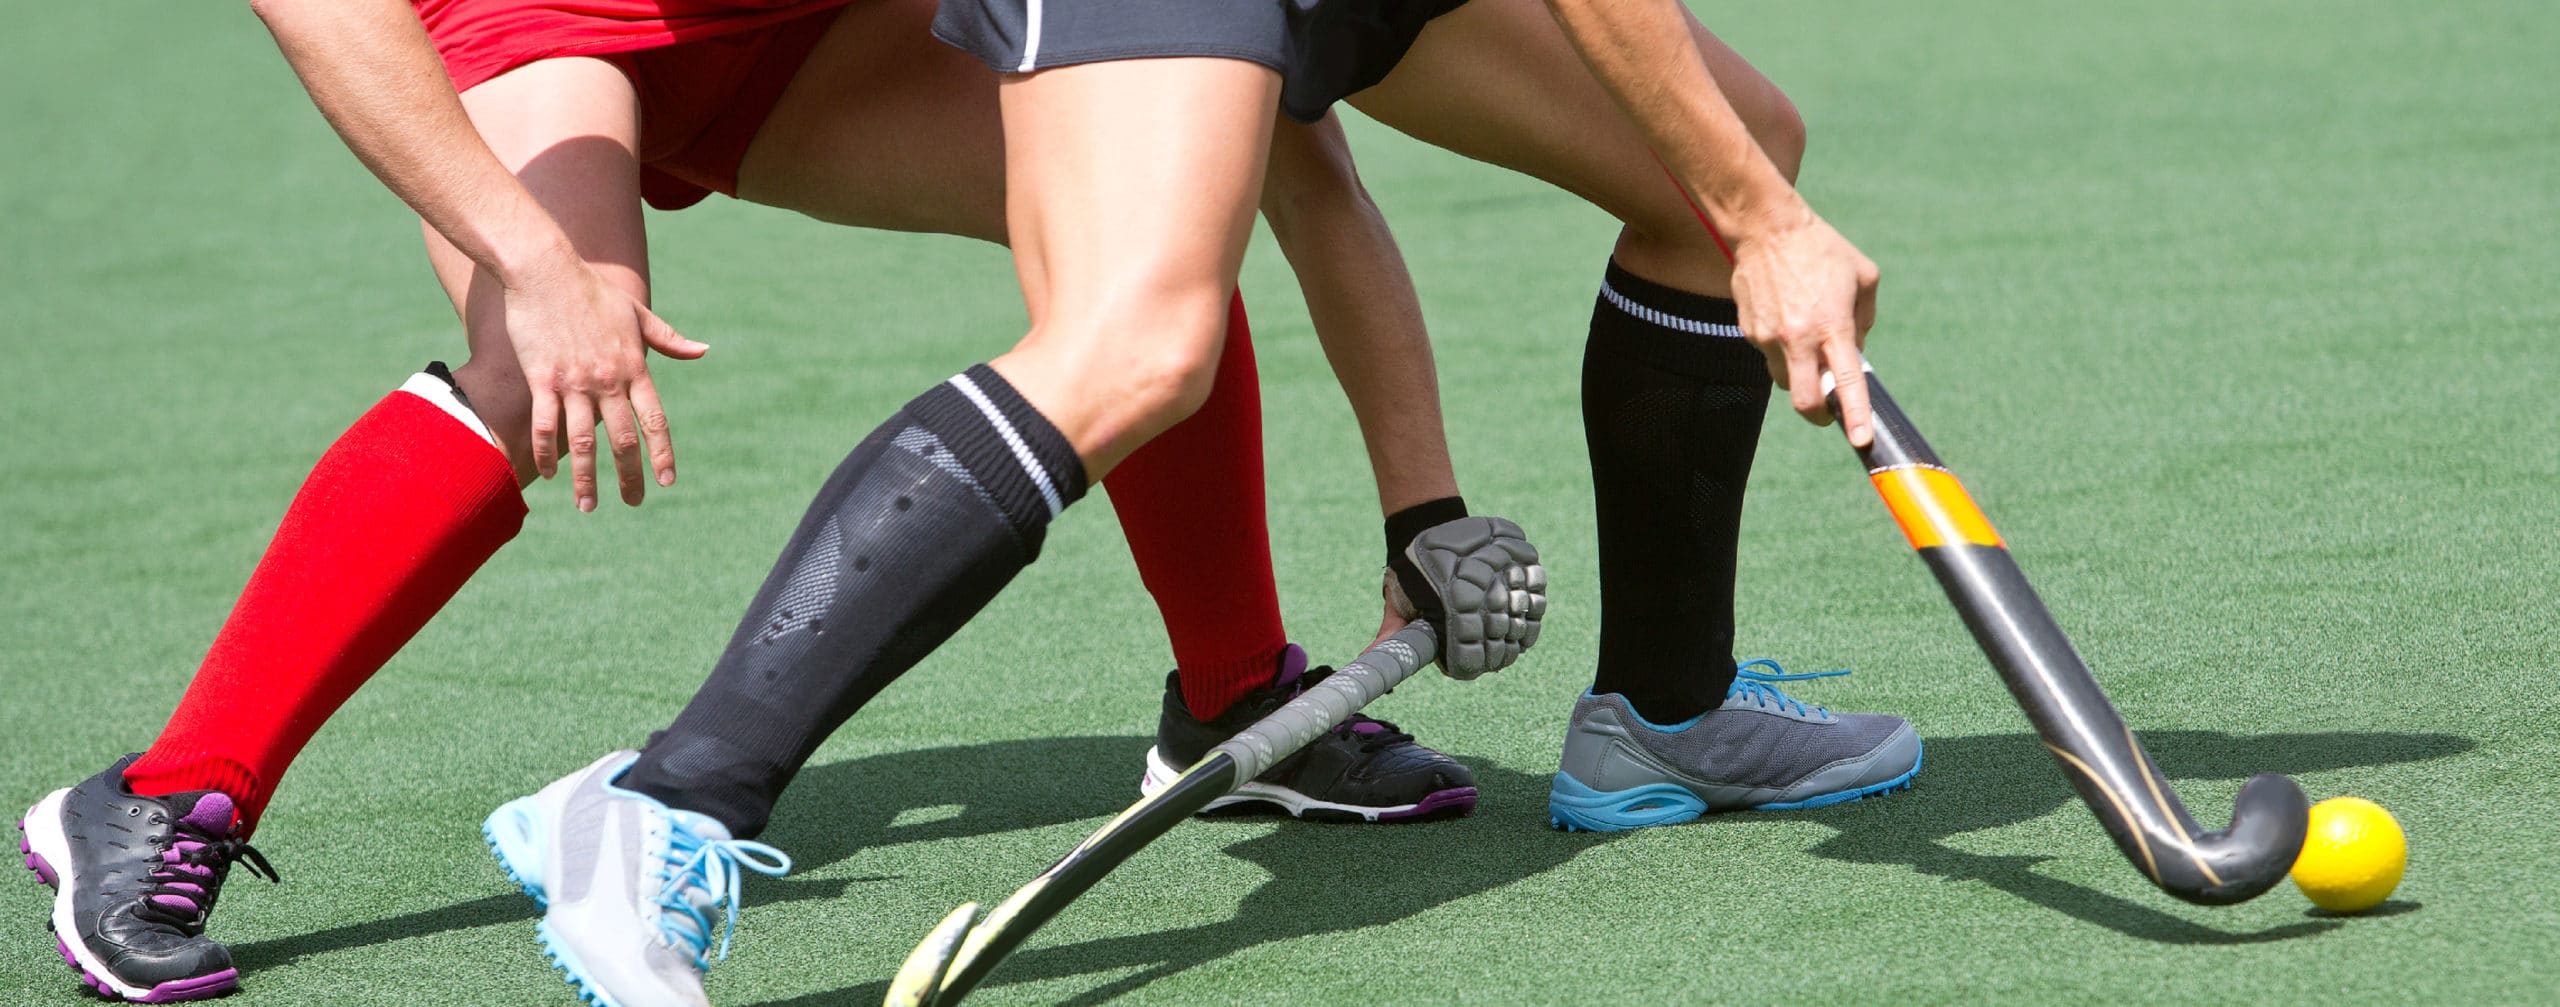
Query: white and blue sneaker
pixel 1760 750
pixel 629 886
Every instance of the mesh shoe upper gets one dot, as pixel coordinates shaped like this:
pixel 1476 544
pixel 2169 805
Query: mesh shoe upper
pixel 633 890
pixel 1759 747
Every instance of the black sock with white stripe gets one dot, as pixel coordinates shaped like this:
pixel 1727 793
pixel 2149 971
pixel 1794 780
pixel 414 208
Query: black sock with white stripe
pixel 978 422
pixel 1672 400
pixel 919 528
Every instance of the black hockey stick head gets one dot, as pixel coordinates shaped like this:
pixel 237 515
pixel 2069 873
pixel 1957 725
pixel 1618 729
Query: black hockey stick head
pixel 2268 822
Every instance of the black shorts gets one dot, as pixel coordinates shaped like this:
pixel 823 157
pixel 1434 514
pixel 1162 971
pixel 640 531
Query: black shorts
pixel 1323 49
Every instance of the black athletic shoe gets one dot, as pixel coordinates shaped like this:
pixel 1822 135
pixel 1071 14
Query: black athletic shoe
pixel 134 879
pixel 1362 771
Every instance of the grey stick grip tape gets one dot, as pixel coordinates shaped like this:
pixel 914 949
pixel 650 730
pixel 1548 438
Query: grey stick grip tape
pixel 1330 702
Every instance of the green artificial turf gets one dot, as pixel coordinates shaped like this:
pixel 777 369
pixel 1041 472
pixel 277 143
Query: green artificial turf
pixel 2236 318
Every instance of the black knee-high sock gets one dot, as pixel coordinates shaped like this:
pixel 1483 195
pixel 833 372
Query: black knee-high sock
pixel 1672 399
pixel 919 528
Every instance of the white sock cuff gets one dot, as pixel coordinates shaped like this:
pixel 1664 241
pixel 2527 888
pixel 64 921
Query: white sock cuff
pixel 442 396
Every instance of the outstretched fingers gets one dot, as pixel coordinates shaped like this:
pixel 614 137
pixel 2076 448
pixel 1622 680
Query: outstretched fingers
pixel 546 424
pixel 581 416
pixel 622 436
pixel 664 338
pixel 654 427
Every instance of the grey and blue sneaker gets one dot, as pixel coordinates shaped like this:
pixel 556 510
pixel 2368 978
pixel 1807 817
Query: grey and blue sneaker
pixel 629 886
pixel 135 878
pixel 1761 750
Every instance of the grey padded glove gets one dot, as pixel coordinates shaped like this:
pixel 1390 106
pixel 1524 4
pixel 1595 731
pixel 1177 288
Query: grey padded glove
pixel 1478 580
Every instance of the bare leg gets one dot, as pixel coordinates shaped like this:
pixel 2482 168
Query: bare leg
pixel 568 128
pixel 1132 189
pixel 1497 81
pixel 923 149
pixel 408 503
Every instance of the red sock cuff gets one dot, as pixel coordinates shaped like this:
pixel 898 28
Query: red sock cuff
pixel 1209 688
pixel 163 771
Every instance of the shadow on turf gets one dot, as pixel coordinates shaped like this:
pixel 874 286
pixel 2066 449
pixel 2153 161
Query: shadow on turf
pixel 831 812
pixel 1337 878
pixel 1990 781
pixel 2392 907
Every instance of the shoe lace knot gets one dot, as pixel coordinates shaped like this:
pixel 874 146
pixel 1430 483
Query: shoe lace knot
pixel 700 878
pixel 189 877
pixel 1760 686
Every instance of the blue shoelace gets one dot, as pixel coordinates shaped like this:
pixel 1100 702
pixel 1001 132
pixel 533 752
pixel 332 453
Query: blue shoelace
pixel 711 866
pixel 1756 685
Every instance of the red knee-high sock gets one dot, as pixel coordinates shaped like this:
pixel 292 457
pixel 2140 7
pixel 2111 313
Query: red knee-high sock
pixel 398 513
pixel 1190 502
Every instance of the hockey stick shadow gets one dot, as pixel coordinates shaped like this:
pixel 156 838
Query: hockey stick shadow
pixel 1991 781
pixel 837 810
pixel 1337 879
pixel 1324 879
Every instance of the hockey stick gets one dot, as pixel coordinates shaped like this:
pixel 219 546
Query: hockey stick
pixel 2099 754
pixel 951 960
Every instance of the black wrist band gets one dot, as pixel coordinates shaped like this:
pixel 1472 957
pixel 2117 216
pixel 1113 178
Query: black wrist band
pixel 1404 525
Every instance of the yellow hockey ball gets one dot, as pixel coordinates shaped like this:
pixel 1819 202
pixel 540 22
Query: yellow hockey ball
pixel 2353 857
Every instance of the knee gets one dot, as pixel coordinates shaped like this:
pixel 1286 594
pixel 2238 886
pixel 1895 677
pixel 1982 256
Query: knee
pixel 1170 377
pixel 1164 356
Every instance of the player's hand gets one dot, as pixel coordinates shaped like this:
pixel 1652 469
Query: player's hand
pixel 1394 618
pixel 583 346
pixel 1807 298
pixel 1478 580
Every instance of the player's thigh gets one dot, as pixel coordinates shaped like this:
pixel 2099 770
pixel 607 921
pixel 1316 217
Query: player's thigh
pixel 568 129
pixel 1134 177
pixel 1496 80
pixel 884 126
pixel 1132 187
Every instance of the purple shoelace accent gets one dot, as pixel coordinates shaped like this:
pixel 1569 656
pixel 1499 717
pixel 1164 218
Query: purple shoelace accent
pixel 184 885
pixel 1293 666
pixel 212 814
